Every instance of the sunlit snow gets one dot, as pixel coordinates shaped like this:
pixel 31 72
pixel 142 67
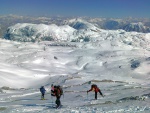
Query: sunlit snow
pixel 121 70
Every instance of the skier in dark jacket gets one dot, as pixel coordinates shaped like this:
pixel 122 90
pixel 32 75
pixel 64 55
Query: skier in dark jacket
pixel 57 92
pixel 42 90
pixel 95 89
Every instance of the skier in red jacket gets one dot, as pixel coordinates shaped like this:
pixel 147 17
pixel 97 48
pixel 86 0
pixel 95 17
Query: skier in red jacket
pixel 95 89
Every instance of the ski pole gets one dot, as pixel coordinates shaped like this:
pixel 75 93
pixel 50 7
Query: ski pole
pixel 87 95
pixel 52 99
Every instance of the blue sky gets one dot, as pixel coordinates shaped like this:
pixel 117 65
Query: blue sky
pixel 90 8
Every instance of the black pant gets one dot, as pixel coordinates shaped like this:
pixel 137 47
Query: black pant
pixel 100 93
pixel 58 101
pixel 96 95
pixel 42 96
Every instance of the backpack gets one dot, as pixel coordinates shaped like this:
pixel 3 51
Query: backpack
pixel 94 85
pixel 95 88
pixel 57 89
pixel 60 89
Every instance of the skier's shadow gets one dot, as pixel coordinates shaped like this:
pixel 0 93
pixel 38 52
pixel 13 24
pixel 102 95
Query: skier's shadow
pixel 49 106
pixel 26 99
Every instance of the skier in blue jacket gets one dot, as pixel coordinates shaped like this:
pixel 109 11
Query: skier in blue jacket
pixel 42 90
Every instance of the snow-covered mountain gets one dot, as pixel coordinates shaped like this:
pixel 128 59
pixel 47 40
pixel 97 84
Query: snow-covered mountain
pixel 104 23
pixel 80 24
pixel 38 32
pixel 71 55
pixel 75 30
pixel 112 24
pixel 139 27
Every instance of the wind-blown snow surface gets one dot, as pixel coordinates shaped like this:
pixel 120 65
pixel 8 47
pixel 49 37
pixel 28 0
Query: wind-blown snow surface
pixel 121 72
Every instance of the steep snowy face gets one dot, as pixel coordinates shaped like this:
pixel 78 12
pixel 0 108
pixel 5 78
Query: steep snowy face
pixel 76 31
pixel 81 24
pixel 139 27
pixel 111 24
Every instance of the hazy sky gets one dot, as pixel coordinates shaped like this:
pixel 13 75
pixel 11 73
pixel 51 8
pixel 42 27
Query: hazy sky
pixel 90 8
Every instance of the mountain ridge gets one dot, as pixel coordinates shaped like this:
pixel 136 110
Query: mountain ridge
pixel 75 31
pixel 103 23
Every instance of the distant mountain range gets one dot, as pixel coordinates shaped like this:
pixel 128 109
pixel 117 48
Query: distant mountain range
pixel 138 27
pixel 127 24
pixel 76 30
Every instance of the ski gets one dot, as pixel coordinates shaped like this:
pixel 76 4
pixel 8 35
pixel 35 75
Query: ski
pixel 43 99
pixel 57 107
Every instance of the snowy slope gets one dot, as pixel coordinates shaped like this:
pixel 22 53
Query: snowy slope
pixel 121 71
